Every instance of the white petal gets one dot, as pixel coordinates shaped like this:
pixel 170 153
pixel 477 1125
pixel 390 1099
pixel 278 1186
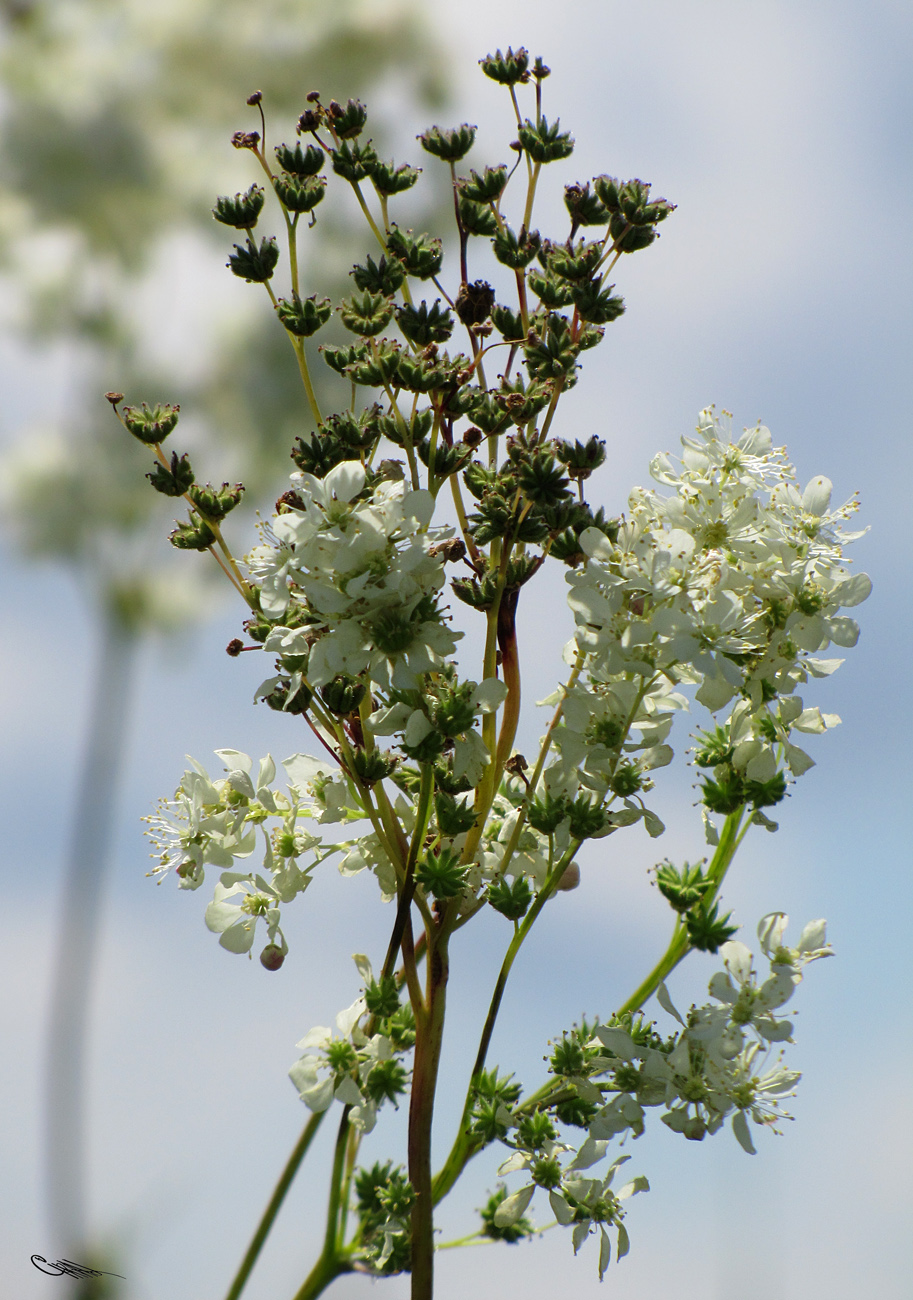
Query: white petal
pixel 740 1129
pixel 511 1209
pixel 817 496
pixel 345 480
pixel 489 695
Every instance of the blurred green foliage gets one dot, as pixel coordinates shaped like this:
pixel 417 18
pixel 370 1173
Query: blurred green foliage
pixel 117 119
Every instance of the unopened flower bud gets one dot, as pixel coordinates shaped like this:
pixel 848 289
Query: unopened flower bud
pixel 272 957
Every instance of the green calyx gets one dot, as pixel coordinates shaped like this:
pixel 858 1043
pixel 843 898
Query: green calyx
pixel 450 145
pixel 150 424
pixel 242 211
pixel 174 480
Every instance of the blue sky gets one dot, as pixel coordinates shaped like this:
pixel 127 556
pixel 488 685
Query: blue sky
pixel 780 289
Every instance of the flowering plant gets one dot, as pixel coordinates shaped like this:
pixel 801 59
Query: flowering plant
pixel 723 587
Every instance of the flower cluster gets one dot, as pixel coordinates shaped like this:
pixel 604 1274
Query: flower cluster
pixel 715 1066
pixel 359 1066
pixel 733 585
pixel 214 822
pixel 352 568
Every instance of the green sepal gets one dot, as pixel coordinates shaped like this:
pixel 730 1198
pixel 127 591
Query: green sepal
pixel 420 255
pixel 707 931
pixel 576 263
pixel 477 218
pixel 545 143
pixel 423 324
pixel 421 375
pixel 626 780
pixel 507 69
pixel 358 432
pixel 596 305
pixel 541 478
pixel 547 813
pixel 581 458
pixel 515 251
pixel 215 503
pixel 726 794
pixel 418 426
pixel 174 480
pixel 446 460
pixel 511 898
pixel 382 997
pixel 347 121
pixel 453 817
pixel 304 316
pixel 151 424
pixel 321 454
pixel 509 324
pixel 584 207
pixel 535 1131
pixel 366 315
pixel 452 711
pixel 353 162
pixel 343 694
pixel 342 359
pixel 298 162
pixel 553 353
pixel 194 535
pixel 630 239
pixel 552 292
pixel 441 874
pixel 378 367
pixel 383 277
pixel 299 194
pixel 255 265
pixel 389 180
pixel 373 767
pixel 486 188
pixel 282 701
pixel 684 888
pixel 587 817
pixel 242 211
pixel 451 145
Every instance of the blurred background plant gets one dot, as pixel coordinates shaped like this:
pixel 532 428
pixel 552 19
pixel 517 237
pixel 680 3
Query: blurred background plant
pixel 116 125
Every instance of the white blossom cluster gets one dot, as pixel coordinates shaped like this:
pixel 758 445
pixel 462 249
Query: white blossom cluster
pixel 214 822
pixel 717 1065
pixel 731 584
pixel 355 1067
pixel 364 575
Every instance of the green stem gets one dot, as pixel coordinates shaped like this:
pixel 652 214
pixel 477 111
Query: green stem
pixel 465 1147
pixel 429 1036
pixel 275 1204
pixel 321 1275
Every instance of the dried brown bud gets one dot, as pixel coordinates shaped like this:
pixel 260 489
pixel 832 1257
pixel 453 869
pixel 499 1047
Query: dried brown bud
pixel 308 121
pixel 313 97
pixel 234 647
pixel 472 437
pixel 516 765
pixel 255 98
pixel 289 501
pixel 246 139
pixel 114 398
pixel 452 551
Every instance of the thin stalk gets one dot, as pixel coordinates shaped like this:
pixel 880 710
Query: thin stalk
pixel 274 1206
pixel 464 1147
pixel 429 1035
